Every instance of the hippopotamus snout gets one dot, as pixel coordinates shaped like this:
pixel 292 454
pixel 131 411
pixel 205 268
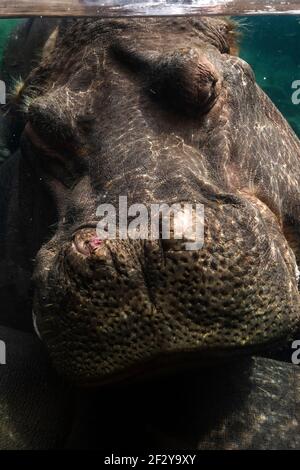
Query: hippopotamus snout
pixel 123 304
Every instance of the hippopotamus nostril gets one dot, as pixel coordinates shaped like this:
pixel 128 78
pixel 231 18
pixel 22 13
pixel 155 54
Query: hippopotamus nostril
pixel 87 243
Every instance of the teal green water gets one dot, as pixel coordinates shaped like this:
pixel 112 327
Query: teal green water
pixel 5 28
pixel 270 44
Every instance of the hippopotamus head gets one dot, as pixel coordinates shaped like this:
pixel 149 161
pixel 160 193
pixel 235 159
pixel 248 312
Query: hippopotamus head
pixel 160 111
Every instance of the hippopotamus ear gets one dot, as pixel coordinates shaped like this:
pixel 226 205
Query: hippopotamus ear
pixel 223 33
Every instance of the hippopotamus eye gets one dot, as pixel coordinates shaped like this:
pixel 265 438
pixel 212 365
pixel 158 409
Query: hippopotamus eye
pixel 223 28
pixel 53 161
pixel 188 85
pixel 183 81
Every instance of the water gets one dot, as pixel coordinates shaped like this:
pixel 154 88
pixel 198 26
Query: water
pixel 5 28
pixel 269 43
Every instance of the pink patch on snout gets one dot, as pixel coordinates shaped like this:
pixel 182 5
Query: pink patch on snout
pixel 94 243
pixel 86 242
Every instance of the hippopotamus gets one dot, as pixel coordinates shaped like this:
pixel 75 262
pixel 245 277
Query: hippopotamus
pixel 162 111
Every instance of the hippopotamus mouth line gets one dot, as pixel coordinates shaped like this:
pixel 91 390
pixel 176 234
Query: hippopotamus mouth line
pixel 174 362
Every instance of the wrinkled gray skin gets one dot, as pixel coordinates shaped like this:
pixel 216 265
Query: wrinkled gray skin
pixel 159 111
